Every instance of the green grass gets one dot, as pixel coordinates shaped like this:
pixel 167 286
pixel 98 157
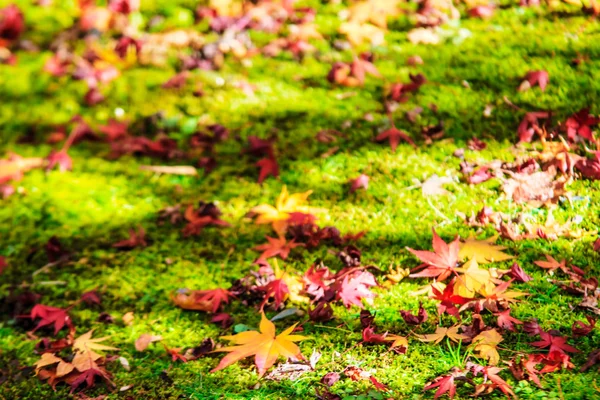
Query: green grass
pixel 93 206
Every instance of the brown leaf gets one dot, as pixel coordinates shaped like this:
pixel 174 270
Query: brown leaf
pixel 144 341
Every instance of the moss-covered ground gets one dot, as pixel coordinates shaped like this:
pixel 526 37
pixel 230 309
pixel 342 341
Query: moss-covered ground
pixel 95 204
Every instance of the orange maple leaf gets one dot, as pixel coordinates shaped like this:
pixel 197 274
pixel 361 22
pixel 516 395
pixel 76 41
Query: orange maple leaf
pixel 264 345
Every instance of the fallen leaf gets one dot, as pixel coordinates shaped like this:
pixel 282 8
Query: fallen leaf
pixel 483 251
pixel 144 341
pixel 264 345
pixel 485 343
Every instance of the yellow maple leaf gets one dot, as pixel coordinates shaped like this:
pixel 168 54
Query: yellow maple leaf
pixel 484 251
pixel 264 345
pixel 284 206
pixel 85 343
pixel 473 280
pixel 485 343
pixel 63 368
pixel 440 333
pixel 294 283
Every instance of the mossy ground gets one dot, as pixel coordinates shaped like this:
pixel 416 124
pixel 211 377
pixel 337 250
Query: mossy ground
pixel 93 206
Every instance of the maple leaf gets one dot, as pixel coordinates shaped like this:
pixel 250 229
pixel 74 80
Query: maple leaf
pixel 445 384
pixel 394 136
pixel 505 321
pixel 555 343
pixel 581 329
pixel 414 319
pixel 202 300
pixel 136 239
pixel 63 368
pixel 207 214
pixel 579 124
pixel 448 300
pixel 85 343
pixel 552 264
pixel 356 287
pixel 263 344
pixel 483 251
pixel 85 363
pixel 491 373
pixel 276 247
pixel 440 262
pixel 285 205
pixel 533 78
pixel 473 280
pixel 268 166
pixel 278 289
pixel 518 274
pixel 441 332
pixel 530 125
pixel 51 316
pixel 114 130
pixel 485 343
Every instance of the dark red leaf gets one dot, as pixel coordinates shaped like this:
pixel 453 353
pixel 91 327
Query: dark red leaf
pixel 518 274
pixel 394 136
pixel 11 22
pixel 268 167
pixel 51 316
pixel 414 319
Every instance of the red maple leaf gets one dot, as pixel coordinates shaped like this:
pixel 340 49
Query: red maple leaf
pixel 277 289
pixel 539 78
pixel 448 300
pixel 369 336
pixel 355 287
pixel 589 167
pixel 491 373
pixel 555 343
pixel 136 239
pixel 579 124
pixel 505 321
pixel 206 214
pixel 51 316
pixel 60 158
pixel 276 247
pixel 518 274
pixel 214 296
pixel 414 319
pixel 530 125
pixel 317 281
pixel 440 262
pixel 114 130
pixel 580 328
pixel 88 376
pixel 445 384
pixel 175 354
pixel 394 136
pixel 268 167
